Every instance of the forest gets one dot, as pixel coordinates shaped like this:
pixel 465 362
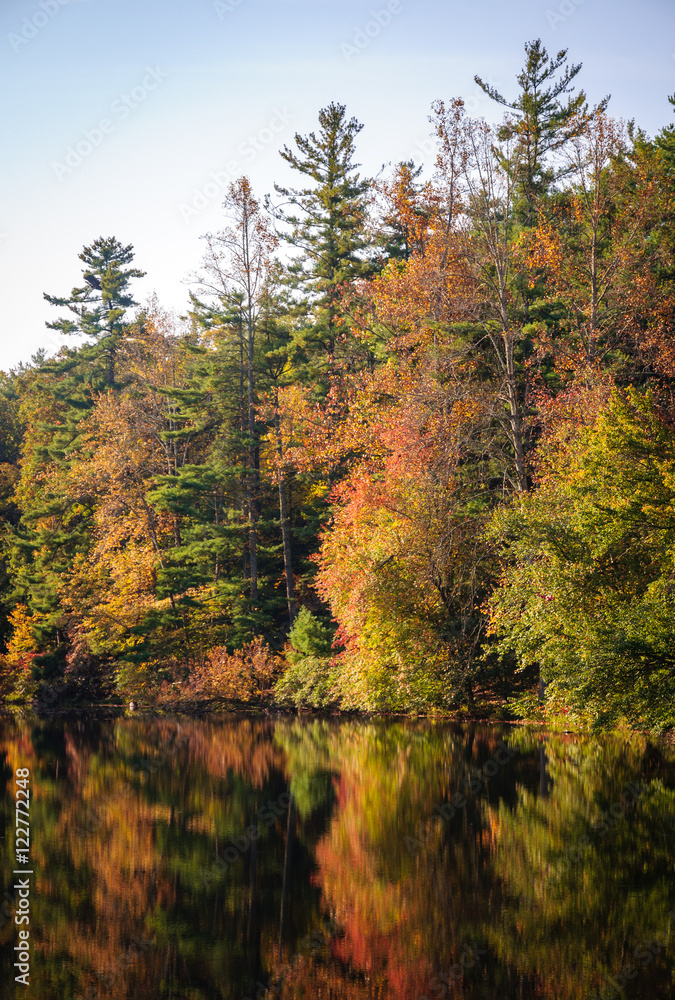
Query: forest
pixel 411 449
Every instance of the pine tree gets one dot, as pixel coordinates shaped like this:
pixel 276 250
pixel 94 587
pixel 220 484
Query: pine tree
pixel 208 496
pixel 328 221
pixel 56 523
pixel 11 433
pixel 101 303
pixel 235 269
pixel 544 122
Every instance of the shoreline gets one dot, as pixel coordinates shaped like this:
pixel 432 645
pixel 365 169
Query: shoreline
pixel 222 709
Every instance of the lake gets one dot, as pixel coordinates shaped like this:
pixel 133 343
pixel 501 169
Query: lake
pixel 243 858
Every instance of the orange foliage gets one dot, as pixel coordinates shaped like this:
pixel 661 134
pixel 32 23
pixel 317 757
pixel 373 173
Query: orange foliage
pixel 595 250
pixel 245 675
pixel 430 288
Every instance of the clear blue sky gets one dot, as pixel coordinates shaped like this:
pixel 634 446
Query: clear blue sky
pixel 160 95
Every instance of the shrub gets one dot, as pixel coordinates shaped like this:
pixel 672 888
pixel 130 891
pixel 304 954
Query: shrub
pixel 247 674
pixel 311 677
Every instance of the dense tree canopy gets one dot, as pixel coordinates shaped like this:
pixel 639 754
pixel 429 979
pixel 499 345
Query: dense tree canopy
pixel 410 450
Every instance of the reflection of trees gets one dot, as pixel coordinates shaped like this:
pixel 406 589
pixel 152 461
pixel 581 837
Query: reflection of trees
pixel 307 752
pixel 125 824
pixel 405 919
pixel 493 875
pixel 582 887
pixel 128 900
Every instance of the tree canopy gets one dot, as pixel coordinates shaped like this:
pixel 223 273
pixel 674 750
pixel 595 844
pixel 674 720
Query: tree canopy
pixel 411 449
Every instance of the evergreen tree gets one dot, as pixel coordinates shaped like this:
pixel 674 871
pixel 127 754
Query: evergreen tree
pixel 664 145
pixel 11 433
pixel 57 510
pixel 215 493
pixel 543 122
pixel 235 269
pixel 328 220
pixel 101 303
pixel 209 495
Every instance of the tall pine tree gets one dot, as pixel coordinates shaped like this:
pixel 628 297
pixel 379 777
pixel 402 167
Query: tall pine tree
pixel 545 119
pixel 327 221
pixel 56 521
pixel 100 305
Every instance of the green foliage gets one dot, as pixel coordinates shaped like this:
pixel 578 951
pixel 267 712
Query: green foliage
pixel 308 637
pixel 310 679
pixel 590 555
pixel 11 434
pixel 542 123
pixel 327 222
pixel 101 303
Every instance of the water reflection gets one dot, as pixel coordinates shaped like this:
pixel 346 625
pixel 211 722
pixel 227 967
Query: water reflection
pixel 221 860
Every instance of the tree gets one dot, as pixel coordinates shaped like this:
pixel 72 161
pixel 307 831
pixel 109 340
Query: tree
pixel 309 679
pixel 100 304
pixel 57 506
pixel 11 434
pixel 327 221
pixel 402 564
pixel 544 122
pixel 280 352
pixel 483 258
pixel 239 258
pixel 587 589
pixel 598 253
pixel 406 210
pixel 128 596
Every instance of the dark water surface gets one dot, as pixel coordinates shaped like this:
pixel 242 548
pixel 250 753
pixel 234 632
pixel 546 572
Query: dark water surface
pixel 240 858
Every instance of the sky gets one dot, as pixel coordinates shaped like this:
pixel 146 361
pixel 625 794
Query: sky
pixel 128 118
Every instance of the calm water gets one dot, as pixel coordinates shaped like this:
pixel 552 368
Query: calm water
pixel 288 859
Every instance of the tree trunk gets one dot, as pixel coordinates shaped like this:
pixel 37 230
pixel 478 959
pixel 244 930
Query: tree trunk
pixel 252 469
pixel 284 515
pixel 514 411
pixel 244 481
pixel 469 694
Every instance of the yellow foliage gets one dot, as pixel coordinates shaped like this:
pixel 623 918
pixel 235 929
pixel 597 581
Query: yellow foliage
pixel 22 646
pixel 15 675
